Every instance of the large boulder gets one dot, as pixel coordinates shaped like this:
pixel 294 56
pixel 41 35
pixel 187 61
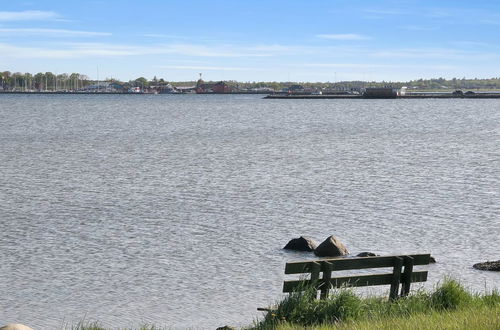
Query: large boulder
pixel 301 244
pixel 15 326
pixel 488 265
pixel 331 247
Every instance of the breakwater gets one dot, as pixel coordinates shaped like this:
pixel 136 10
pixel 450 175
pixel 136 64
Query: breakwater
pixel 410 96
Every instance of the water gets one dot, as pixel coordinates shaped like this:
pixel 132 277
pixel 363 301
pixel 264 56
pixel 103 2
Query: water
pixel 173 210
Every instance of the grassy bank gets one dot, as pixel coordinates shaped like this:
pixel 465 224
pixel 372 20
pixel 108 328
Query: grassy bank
pixel 449 306
pixel 479 318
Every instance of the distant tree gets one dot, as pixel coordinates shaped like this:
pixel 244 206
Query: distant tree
pixel 50 81
pixel 141 82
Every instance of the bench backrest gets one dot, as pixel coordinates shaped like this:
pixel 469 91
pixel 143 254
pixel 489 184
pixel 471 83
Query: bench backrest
pixel 327 266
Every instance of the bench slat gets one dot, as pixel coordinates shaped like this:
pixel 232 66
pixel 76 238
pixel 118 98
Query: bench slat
pixel 358 281
pixel 352 263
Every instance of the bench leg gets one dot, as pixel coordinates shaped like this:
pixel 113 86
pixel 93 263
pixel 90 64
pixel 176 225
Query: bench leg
pixel 327 276
pixel 396 278
pixel 405 289
pixel 316 269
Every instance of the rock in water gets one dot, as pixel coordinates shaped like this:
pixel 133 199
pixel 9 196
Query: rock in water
pixel 15 326
pixel 488 265
pixel 331 247
pixel 301 244
pixel 367 254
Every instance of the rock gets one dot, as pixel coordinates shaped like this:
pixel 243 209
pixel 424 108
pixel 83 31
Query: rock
pixel 331 247
pixel 488 265
pixel 367 254
pixel 15 326
pixel 432 260
pixel 226 327
pixel 301 244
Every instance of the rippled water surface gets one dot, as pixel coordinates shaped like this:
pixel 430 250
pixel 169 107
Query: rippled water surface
pixel 173 210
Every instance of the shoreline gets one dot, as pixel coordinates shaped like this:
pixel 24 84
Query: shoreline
pixel 121 93
pixel 493 95
pixel 416 96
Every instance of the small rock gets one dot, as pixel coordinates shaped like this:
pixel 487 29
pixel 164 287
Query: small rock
pixel 432 260
pixel 15 326
pixel 301 244
pixel 488 265
pixel 367 254
pixel 331 247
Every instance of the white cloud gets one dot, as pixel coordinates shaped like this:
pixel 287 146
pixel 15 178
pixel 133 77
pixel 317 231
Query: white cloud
pixel 28 15
pixel 346 36
pixel 51 33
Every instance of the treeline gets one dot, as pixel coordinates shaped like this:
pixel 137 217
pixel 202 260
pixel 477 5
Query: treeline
pixel 42 81
pixel 455 83
pixel 48 81
pixel 420 84
pixel 76 81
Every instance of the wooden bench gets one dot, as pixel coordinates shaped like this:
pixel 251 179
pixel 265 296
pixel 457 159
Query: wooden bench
pixel 402 274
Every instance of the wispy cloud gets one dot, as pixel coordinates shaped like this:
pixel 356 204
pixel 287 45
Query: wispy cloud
pixel 474 44
pixel 163 36
pixel 377 14
pixel 418 28
pixel 348 65
pixel 365 66
pixel 81 49
pixel 386 12
pixel 346 36
pixel 207 68
pixel 28 15
pixel 52 33
pixel 490 21
pixel 434 53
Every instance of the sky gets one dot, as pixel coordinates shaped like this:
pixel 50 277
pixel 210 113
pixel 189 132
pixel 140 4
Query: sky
pixel 315 41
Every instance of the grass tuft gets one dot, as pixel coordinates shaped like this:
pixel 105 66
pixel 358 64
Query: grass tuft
pixel 450 295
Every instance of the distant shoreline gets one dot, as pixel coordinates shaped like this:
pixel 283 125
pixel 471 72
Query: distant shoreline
pixel 423 95
pixel 121 93
pixel 414 96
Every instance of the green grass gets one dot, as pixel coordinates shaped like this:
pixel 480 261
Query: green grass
pixel 477 318
pixel 450 306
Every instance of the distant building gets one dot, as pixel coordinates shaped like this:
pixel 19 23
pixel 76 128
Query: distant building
pixel 296 89
pixel 213 88
pixel 135 90
pixel 104 86
pixel 167 89
pixel 186 89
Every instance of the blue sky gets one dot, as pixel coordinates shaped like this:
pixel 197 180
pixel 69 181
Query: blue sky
pixel 253 40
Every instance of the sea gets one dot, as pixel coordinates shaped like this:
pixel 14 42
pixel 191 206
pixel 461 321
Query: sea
pixel 173 210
